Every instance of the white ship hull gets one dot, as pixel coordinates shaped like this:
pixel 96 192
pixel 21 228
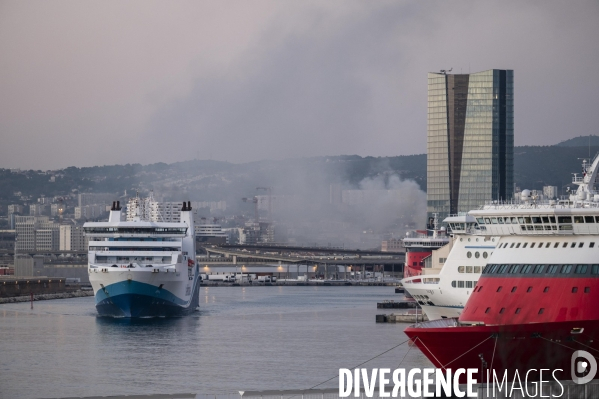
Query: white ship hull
pixel 144 292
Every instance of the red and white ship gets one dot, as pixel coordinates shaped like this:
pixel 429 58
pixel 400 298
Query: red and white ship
pixel 420 244
pixel 536 302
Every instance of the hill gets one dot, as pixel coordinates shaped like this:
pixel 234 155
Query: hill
pixel 580 141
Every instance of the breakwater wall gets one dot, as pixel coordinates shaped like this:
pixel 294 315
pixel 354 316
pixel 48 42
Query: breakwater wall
pixel 43 297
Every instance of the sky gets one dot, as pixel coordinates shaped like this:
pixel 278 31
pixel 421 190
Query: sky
pixel 114 82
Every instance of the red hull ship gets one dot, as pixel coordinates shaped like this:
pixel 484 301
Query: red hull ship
pixel 536 302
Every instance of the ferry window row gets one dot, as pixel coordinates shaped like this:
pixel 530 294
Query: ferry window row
pixel 469 269
pixel 546 245
pixel 476 255
pixel 463 284
pixel 537 220
pixel 541 269
pixel 135 230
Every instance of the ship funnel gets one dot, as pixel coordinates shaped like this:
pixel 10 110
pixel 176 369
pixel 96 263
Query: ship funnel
pixel 115 212
pixel 189 205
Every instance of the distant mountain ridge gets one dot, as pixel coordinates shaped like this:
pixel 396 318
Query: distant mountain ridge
pixel 580 141
pixel 534 167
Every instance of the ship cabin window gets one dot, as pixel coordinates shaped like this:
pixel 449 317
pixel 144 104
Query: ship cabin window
pixel 514 269
pixel 476 269
pixel 551 219
pixel 518 245
pixel 556 245
pixel 493 268
pixel 514 289
pixel 518 310
pixel 514 221
pixel 564 219
pixel 552 269
pixel 453 284
pixel 540 245
pixel 460 269
pixel 502 269
pixel 578 219
pixel 529 289
pixel 546 289
pixel 487 311
pixel 512 246
pixel 581 269
pixel 485 255
pixel 573 245
pixel 581 245
pixel 487 221
pixel 574 290
pixel 460 284
pixel 566 269
pixel 468 269
pixel 493 220
pixel 536 219
pixel 499 289
pixel 527 220
pixel 538 269
pixel 480 220
pixel 565 245
pixel 591 244
pixel 525 244
pixel 541 310
pixel 500 220
pixel 545 219
pixel 587 290
pixel 589 219
pixel 532 245
pixel 502 310
pixel 521 220
pixel 594 269
pixel 469 284
pixel 547 245
pixel 565 227
pixel 526 269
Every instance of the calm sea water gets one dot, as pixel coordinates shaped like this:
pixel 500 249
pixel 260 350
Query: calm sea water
pixel 252 338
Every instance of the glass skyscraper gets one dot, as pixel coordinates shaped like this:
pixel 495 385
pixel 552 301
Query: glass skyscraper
pixel 470 140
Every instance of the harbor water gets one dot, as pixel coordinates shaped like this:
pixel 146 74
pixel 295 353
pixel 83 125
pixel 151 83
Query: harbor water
pixel 243 338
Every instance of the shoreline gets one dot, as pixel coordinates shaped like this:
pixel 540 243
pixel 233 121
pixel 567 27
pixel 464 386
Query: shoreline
pixel 44 297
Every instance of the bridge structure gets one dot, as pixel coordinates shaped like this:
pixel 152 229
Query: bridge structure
pixel 286 261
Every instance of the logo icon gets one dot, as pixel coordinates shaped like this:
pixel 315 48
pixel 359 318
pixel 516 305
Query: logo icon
pixel 583 366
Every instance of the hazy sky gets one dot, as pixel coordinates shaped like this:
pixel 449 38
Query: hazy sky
pixel 104 82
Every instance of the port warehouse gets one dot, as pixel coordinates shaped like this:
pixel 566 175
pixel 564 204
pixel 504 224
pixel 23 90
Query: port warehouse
pixel 335 263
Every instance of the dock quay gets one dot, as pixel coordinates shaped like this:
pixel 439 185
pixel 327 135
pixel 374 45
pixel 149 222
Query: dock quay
pixel 409 316
pixel 397 305
pixel 333 283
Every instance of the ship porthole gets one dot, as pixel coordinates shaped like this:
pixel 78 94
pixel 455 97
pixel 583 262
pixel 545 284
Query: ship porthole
pixel 485 255
pixel 469 254
pixel 468 240
pixel 477 240
pixel 461 239
pixel 476 255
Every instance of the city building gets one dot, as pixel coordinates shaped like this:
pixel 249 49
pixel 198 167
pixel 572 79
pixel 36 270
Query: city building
pixel 470 140
pixel 89 211
pixel 37 209
pixel 15 209
pixel 154 211
pixel 392 245
pixel 7 239
pixel 36 233
pixel 72 238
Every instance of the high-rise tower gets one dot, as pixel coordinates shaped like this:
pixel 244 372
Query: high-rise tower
pixel 470 140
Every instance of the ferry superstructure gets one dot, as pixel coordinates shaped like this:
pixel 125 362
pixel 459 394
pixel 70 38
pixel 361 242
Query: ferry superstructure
pixel 535 303
pixel 142 268
pixel 419 245
pixel 451 272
